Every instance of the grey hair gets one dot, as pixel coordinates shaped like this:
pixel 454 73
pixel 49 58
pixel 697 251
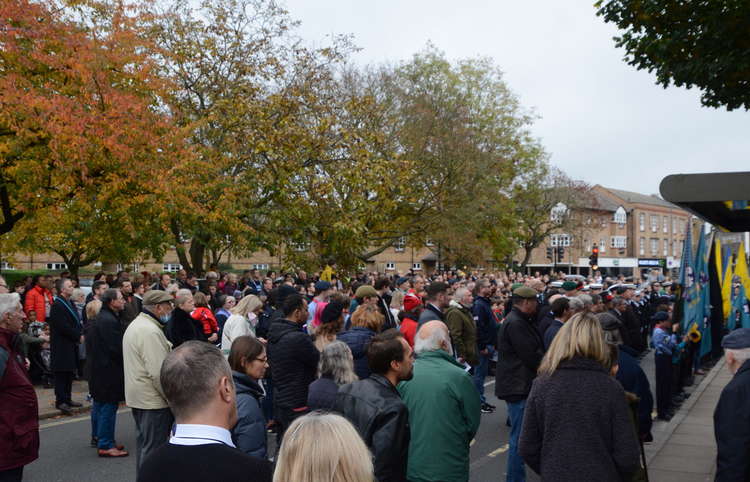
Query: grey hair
pixel 109 295
pixel 587 301
pixel 740 354
pixel 336 362
pixel 433 342
pixel 459 294
pixel 619 301
pixel 9 302
pixel 577 304
pixel 189 377
pixel 78 295
pixel 182 296
pixel 613 337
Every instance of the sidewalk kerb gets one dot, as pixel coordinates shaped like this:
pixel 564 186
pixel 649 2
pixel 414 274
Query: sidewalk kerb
pixel 684 410
pixel 58 413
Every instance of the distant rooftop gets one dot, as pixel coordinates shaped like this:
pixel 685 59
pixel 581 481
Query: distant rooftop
pixel 634 197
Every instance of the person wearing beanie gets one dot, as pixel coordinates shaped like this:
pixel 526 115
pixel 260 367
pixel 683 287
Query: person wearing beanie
pixel 331 323
pixel 412 309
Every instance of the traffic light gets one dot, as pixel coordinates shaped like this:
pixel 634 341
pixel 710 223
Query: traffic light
pixel 549 253
pixel 560 253
pixel 594 258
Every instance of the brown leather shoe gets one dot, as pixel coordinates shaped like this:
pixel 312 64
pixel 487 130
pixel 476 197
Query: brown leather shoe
pixel 113 452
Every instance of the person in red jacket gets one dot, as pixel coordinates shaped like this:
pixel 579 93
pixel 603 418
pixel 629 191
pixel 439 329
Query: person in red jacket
pixel 39 299
pixel 204 314
pixel 19 412
pixel 412 308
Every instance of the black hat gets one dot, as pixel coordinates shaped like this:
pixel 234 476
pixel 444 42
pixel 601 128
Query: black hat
pixel 737 339
pixel 331 312
pixel 660 316
pixel 608 321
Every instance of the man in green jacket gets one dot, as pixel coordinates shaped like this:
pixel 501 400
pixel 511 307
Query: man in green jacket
pixel 443 409
pixel 463 329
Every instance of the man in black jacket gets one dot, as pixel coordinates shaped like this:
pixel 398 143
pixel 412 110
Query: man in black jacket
pixel 107 379
pixel 486 337
pixel 65 335
pixel 294 362
pixel 731 418
pixel 374 406
pixel 520 352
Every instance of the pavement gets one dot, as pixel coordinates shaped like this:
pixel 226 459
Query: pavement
pixel 46 398
pixel 683 450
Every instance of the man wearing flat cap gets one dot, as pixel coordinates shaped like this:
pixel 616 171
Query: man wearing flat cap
pixel 520 351
pixel 731 417
pixel 144 348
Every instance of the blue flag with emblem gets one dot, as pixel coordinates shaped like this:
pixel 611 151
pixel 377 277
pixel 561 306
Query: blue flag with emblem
pixel 697 305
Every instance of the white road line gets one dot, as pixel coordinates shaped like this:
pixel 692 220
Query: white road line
pixel 489 383
pixel 499 451
pixel 74 420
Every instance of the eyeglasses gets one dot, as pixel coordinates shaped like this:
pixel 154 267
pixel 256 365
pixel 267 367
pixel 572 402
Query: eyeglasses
pixel 263 360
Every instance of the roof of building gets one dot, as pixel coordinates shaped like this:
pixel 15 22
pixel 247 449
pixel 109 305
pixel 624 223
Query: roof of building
pixel 634 197
pixel 596 201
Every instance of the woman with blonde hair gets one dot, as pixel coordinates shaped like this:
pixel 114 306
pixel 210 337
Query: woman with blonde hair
pixel 367 321
pixel 342 458
pixel 574 402
pixel 242 322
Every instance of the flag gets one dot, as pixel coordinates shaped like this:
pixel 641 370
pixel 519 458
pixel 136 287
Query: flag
pixel 740 316
pixel 740 269
pixel 726 290
pixel 719 265
pixel 697 305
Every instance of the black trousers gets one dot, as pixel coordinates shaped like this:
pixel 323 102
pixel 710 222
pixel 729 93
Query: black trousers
pixel 63 387
pixel 12 475
pixel 285 417
pixel 663 383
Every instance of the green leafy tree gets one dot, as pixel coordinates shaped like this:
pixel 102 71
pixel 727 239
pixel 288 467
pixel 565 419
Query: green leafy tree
pixel 688 43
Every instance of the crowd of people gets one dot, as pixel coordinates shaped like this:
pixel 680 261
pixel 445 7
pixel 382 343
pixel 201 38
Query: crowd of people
pixel 388 370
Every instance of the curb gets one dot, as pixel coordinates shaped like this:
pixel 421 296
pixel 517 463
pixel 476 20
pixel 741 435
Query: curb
pixel 684 410
pixel 57 413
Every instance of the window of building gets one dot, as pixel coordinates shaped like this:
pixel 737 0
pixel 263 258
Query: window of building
pixel 390 265
pixel 6 266
pixel 674 225
pixel 665 224
pixel 429 242
pixel 171 267
pixel 57 266
pixel 133 267
pixel 654 223
pixel 654 246
pixel 303 246
pixel 618 241
pixel 558 213
pixel 400 244
pixel 642 221
pixel 416 266
pixel 560 240
pixel 261 266
pixel 620 217
pixel 603 245
pixel 642 246
pixel 665 250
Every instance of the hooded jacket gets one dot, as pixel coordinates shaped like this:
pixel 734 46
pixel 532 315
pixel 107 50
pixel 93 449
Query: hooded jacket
pixel 463 332
pixel 249 435
pixel 294 363
pixel 358 338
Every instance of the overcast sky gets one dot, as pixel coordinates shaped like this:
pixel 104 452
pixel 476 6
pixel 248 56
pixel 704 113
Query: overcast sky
pixel 600 119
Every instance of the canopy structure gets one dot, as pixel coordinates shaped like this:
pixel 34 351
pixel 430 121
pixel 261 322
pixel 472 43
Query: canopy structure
pixel 722 199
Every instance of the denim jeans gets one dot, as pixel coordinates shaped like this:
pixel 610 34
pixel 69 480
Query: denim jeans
pixel 95 418
pixel 480 371
pixel 105 424
pixel 516 472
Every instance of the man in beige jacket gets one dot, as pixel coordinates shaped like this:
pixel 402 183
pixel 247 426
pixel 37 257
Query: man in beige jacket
pixel 144 348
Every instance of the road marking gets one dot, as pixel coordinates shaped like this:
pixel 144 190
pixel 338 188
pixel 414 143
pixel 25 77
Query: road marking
pixel 489 383
pixel 473 441
pixel 499 451
pixel 74 420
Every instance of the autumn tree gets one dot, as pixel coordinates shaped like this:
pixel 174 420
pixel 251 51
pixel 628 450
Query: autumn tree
pixel 687 43
pixel 83 138
pixel 545 201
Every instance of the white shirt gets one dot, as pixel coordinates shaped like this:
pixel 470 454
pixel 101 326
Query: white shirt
pixel 191 434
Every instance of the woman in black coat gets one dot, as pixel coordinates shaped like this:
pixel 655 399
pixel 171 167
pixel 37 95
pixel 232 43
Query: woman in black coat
pixel 576 425
pixel 336 368
pixel 181 326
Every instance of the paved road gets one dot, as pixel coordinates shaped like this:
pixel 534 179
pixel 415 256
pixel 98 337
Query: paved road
pixel 65 454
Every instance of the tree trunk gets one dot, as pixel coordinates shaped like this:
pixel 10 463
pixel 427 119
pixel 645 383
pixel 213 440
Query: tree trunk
pixel 9 217
pixel 527 255
pixel 197 254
